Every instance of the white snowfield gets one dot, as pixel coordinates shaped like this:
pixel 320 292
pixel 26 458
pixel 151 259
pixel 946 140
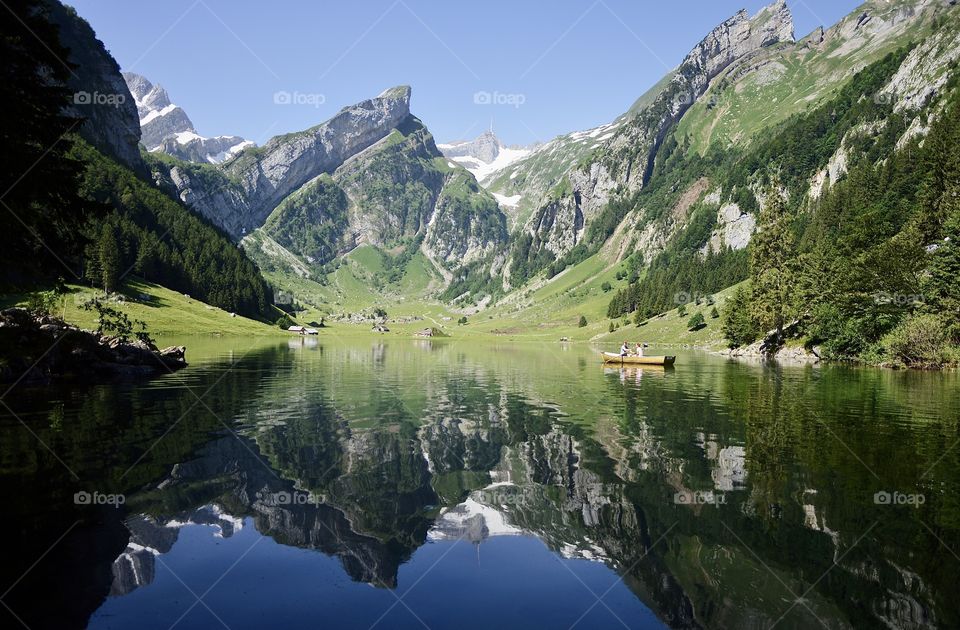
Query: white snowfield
pixel 156 113
pixel 454 522
pixel 482 170
pixel 510 201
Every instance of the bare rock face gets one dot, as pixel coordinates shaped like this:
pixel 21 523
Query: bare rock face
pixel 485 147
pixel 195 148
pixel 100 94
pixel 737 37
pixel 462 230
pixel 627 158
pixel 925 71
pixel 734 229
pixel 166 127
pixel 256 182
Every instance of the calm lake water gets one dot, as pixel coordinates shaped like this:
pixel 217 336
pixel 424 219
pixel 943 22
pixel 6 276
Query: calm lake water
pixel 395 483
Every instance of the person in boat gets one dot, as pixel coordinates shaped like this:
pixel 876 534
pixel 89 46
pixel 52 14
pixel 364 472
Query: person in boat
pixel 625 349
pixel 639 348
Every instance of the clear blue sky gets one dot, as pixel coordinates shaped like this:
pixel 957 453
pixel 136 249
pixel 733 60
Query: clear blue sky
pixel 553 67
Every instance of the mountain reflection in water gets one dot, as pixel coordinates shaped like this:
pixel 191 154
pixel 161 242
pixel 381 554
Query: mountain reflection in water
pixel 719 494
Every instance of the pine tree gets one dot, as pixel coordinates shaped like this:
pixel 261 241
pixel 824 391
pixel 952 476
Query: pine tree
pixel 942 169
pixel 942 285
pixel 42 212
pixel 738 326
pixel 109 258
pixel 771 268
pixel 696 322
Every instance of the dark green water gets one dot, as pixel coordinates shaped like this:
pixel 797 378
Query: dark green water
pixel 399 483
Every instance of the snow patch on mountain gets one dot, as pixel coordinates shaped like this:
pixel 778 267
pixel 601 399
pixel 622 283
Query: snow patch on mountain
pixel 504 200
pixel 166 128
pixel 473 521
pixel 156 113
pixel 483 156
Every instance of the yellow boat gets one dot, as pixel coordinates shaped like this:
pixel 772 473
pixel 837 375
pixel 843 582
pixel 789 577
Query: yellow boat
pixel 610 357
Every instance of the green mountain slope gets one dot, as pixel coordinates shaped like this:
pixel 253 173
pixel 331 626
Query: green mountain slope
pixel 786 80
pixel 416 214
pixel 161 241
pixel 88 208
pixel 746 76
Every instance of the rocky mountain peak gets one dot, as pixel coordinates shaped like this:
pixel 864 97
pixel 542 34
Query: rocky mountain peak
pixel 147 96
pixel 381 113
pixel 741 35
pixel 773 24
pixel 398 92
pixel 260 181
pixel 484 147
pixel 632 148
pixel 165 127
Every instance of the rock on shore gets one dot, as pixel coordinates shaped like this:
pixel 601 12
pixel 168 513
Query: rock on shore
pixel 44 348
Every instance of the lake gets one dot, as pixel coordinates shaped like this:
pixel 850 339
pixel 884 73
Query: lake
pixel 396 483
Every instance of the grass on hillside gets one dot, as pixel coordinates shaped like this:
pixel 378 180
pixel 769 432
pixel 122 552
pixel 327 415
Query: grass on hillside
pixel 547 313
pixel 164 312
pixel 670 328
pixel 795 79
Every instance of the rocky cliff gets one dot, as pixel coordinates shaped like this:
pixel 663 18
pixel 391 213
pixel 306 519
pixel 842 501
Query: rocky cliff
pixel 745 76
pixel 372 175
pixel 624 162
pixel 485 148
pixel 100 95
pixel 247 189
pixel 166 127
pixel 399 192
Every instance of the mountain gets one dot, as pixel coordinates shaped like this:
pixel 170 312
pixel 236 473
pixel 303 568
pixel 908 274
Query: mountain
pixel 572 160
pixel 95 211
pixel 483 156
pixel 399 192
pixel 521 185
pixel 755 128
pixel 836 205
pixel 99 95
pixel 677 177
pixel 798 78
pixel 166 127
pixel 665 200
pixel 718 98
pixel 371 175
pixel 623 161
pixel 241 193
